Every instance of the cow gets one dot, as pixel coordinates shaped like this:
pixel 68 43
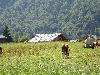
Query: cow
pixel 97 44
pixel 65 50
pixel 89 42
pixel 1 50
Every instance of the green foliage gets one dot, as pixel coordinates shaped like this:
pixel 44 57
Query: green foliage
pixel 72 17
pixel 46 59
pixel 24 39
pixel 6 33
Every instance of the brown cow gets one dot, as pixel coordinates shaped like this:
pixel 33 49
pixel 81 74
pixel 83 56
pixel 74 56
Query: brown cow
pixel 1 50
pixel 65 50
pixel 97 44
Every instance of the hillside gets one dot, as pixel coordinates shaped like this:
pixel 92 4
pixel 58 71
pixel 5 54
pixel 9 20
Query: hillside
pixel 74 18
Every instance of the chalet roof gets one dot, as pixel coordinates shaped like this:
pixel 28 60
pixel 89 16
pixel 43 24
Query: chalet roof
pixel 44 37
pixel 95 37
pixel 89 35
pixel 1 36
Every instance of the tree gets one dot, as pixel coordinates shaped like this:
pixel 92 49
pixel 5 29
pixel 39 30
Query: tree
pixel 6 33
pixel 50 16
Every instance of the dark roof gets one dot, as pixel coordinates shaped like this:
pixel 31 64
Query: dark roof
pixel 44 37
pixel 89 35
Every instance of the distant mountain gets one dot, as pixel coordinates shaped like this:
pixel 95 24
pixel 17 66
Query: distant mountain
pixel 74 18
pixel 6 3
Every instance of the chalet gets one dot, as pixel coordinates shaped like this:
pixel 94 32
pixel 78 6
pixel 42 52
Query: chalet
pixel 2 39
pixel 86 36
pixel 48 38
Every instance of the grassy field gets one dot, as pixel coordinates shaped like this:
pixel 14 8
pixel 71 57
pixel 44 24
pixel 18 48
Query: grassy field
pixel 46 59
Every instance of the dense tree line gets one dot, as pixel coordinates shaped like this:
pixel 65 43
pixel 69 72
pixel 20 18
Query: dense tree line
pixel 74 18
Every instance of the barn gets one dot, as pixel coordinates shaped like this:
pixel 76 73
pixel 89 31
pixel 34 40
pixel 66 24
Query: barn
pixel 2 39
pixel 48 38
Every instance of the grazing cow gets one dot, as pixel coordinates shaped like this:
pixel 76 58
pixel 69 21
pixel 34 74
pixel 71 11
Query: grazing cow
pixel 89 42
pixel 65 50
pixel 97 43
pixel 0 50
pixel 90 46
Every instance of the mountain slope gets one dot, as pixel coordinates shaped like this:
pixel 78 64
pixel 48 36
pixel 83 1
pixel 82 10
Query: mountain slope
pixel 71 17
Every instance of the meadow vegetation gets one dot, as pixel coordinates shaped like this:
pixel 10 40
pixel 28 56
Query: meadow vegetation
pixel 46 59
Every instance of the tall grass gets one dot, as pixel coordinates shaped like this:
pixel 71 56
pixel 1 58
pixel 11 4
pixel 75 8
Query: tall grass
pixel 46 59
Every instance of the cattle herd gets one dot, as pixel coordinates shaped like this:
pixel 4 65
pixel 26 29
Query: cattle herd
pixel 66 49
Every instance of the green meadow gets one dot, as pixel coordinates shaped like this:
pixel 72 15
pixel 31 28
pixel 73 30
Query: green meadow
pixel 46 59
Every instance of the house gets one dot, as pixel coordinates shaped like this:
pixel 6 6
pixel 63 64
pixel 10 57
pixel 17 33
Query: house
pixel 86 36
pixel 48 38
pixel 2 39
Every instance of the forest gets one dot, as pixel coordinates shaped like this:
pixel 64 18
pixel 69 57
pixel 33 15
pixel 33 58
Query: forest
pixel 74 18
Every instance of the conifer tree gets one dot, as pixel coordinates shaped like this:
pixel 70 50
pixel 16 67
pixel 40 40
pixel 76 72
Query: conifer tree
pixel 6 33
